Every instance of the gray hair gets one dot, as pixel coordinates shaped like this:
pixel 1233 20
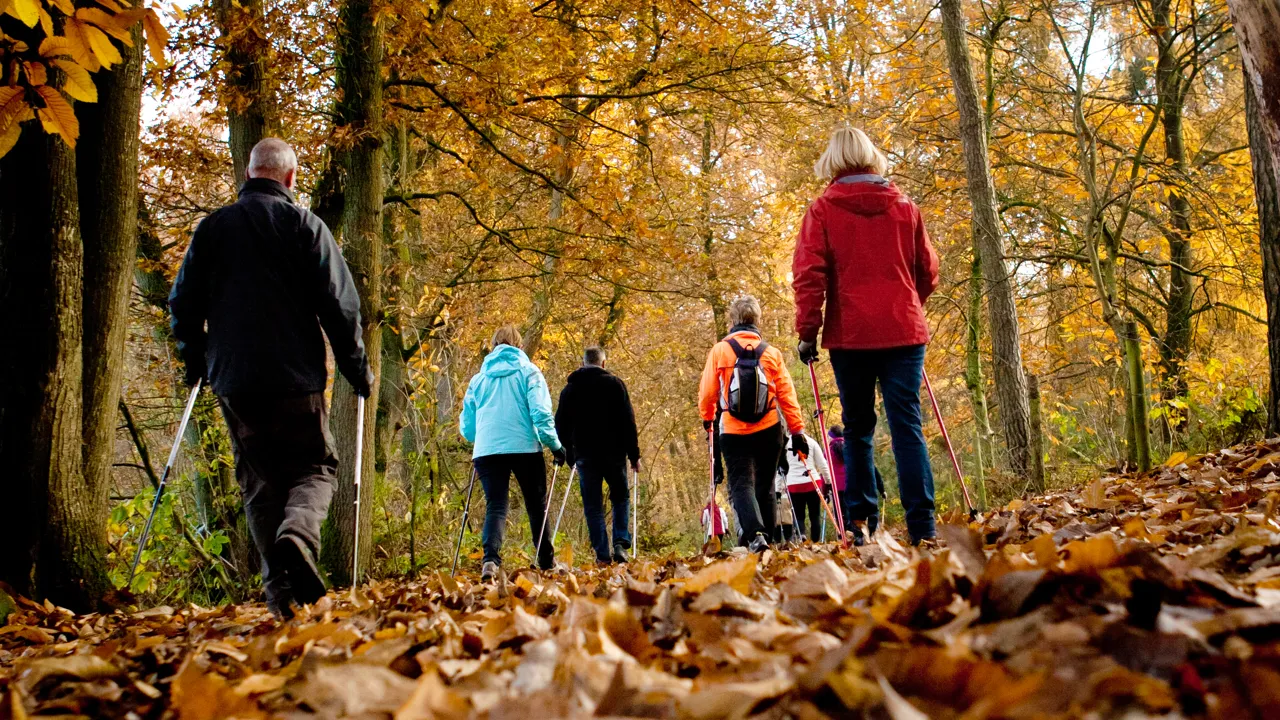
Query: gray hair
pixel 744 311
pixel 593 356
pixel 273 158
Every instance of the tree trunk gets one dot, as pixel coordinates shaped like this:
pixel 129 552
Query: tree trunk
pixel 1175 346
pixel 1037 435
pixel 359 60
pixel 107 164
pixel 715 294
pixel 1257 25
pixel 1139 417
pixel 1010 378
pixel 976 383
pixel 247 94
pixel 1268 200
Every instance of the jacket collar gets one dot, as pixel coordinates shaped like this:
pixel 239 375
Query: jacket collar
pixel 266 186
pixel 860 176
pixel 745 328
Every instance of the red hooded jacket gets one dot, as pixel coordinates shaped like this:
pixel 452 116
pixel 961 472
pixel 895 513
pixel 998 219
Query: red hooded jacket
pixel 863 250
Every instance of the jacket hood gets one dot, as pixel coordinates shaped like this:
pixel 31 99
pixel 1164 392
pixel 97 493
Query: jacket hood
pixel 863 198
pixel 587 371
pixel 504 360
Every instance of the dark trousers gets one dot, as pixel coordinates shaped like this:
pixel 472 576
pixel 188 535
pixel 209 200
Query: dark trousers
pixel 898 371
pixel 751 462
pixel 808 505
pixel 495 473
pixel 285 466
pixel 593 473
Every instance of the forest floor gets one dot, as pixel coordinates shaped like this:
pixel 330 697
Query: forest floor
pixel 1154 595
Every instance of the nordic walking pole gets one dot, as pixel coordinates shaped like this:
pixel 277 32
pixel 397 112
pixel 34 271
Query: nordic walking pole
pixel 712 510
pixel 551 494
pixel 568 487
pixel 164 478
pixel 466 512
pixel 973 512
pixel 822 426
pixel 359 456
pixel 635 513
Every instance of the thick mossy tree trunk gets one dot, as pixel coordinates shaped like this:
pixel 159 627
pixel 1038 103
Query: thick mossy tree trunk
pixel 1006 342
pixel 359 61
pixel 1257 24
pixel 107 164
pixel 61 528
pixel 247 93
pixel 1267 194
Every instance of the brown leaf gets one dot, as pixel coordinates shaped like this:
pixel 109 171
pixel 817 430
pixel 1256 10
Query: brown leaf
pixel 737 574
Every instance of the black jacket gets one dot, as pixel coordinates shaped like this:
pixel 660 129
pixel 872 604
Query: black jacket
pixel 267 276
pixel 595 419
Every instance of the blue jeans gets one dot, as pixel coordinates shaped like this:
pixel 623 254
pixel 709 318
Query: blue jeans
pixel 898 370
pixel 592 474
pixel 495 473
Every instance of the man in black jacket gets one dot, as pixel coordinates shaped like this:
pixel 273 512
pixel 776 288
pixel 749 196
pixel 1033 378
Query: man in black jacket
pixel 597 425
pixel 266 276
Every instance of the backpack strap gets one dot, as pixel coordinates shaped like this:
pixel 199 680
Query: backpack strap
pixel 755 353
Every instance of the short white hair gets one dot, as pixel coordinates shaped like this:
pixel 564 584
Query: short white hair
pixel 849 149
pixel 272 157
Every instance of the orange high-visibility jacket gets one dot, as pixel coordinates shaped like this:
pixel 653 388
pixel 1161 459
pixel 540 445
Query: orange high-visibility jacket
pixel 713 389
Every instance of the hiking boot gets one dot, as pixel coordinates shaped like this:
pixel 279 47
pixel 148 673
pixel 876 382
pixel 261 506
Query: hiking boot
pixel 926 544
pixel 859 530
pixel 758 545
pixel 619 553
pixel 293 556
pixel 488 572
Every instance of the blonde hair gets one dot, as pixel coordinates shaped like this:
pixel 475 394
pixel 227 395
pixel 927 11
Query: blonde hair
pixel 744 311
pixel 849 149
pixel 507 335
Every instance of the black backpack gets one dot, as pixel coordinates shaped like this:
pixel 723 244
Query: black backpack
pixel 748 398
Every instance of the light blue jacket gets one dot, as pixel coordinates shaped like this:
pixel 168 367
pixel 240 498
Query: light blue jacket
pixel 507 408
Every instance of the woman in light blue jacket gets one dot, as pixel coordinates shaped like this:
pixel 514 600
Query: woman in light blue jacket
pixel 506 414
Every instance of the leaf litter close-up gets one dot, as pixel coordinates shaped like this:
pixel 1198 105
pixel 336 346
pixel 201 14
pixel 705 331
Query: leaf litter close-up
pixel 1151 595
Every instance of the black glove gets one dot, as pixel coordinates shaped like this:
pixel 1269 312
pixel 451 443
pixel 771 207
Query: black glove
pixel 706 425
pixel 363 385
pixel 559 457
pixel 808 350
pixel 193 372
pixel 799 444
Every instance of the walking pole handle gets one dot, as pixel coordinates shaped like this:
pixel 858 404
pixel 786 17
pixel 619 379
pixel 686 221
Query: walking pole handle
pixel 359 457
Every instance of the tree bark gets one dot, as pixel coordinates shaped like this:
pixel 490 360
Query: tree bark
pixel 107 164
pixel 1037 435
pixel 1257 24
pixel 1175 346
pixel 1139 420
pixel 1010 377
pixel 359 60
pixel 1267 197
pixel 976 383
pixel 247 93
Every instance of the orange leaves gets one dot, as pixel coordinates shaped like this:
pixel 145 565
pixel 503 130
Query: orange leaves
pixel 57 116
pixel 87 44
pixel 27 11
pixel 77 82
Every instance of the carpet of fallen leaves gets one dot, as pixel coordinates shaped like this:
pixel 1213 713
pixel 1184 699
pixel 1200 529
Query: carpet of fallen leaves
pixel 1137 596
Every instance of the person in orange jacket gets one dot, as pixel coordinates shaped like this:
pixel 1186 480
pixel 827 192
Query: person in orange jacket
pixel 745 385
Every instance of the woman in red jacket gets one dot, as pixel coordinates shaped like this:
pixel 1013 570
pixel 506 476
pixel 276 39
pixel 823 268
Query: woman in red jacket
pixel 864 253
